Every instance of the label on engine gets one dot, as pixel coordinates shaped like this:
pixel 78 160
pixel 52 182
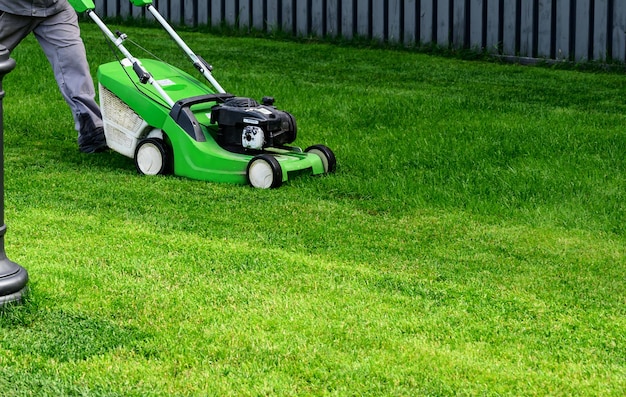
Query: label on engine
pixel 251 121
pixel 266 112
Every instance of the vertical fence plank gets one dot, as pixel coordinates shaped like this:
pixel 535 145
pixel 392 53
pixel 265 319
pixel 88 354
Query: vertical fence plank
pixel 316 14
pixel 492 36
pixel 544 29
pixel 458 23
pixel 427 23
pixel 581 37
pixel 202 12
pixel 600 30
pixel 443 23
pixel 202 16
pixel 363 18
pixel 230 13
pixel 173 11
pixel 348 14
pixel 378 20
pixel 111 8
pixel 176 16
pixel 272 15
pixel 167 11
pixel 302 20
pixel 562 29
pixel 125 9
pixel 287 16
pixel 411 20
pixel 333 20
pixel 509 27
pixel 257 14
pixel 216 12
pixel 190 16
pixel 618 31
pixel 393 33
pixel 244 14
pixel 526 29
pixel 476 24
pixel 100 8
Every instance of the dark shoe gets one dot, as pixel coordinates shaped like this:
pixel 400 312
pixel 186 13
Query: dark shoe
pixel 90 138
pixel 92 141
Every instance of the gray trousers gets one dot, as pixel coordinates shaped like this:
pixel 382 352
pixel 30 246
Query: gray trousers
pixel 59 37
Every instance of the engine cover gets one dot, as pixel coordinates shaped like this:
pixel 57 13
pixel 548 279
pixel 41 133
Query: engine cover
pixel 244 124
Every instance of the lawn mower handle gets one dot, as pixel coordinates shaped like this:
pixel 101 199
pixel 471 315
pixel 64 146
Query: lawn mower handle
pixel 200 64
pixel 203 67
pixel 143 75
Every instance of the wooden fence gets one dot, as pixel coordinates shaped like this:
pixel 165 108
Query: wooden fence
pixel 579 30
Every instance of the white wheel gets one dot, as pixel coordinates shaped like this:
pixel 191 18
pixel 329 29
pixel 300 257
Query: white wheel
pixel 151 157
pixel 327 156
pixel 264 172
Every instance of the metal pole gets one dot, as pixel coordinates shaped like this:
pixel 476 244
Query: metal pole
pixel 13 277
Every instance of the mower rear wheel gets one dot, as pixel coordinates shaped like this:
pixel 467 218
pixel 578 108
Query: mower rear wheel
pixel 328 157
pixel 152 157
pixel 264 172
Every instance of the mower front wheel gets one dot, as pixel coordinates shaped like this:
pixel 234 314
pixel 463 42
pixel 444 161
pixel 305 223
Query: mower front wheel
pixel 152 157
pixel 328 157
pixel 264 172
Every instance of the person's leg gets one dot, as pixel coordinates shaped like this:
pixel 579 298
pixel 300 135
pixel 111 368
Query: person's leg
pixel 14 28
pixel 59 37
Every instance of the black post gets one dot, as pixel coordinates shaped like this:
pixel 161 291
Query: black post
pixel 13 277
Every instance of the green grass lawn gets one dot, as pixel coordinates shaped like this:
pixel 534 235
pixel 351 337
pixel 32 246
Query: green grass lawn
pixel 471 242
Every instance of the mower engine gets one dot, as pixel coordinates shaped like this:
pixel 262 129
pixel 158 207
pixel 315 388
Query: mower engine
pixel 244 123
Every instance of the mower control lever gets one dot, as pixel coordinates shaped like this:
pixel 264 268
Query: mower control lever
pixel 204 63
pixel 121 37
pixel 142 73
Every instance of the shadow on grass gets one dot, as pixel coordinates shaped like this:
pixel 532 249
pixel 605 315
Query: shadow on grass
pixel 39 331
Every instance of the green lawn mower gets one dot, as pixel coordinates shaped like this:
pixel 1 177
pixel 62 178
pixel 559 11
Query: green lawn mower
pixel 169 122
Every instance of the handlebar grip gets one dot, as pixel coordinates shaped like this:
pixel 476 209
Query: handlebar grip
pixel 142 73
